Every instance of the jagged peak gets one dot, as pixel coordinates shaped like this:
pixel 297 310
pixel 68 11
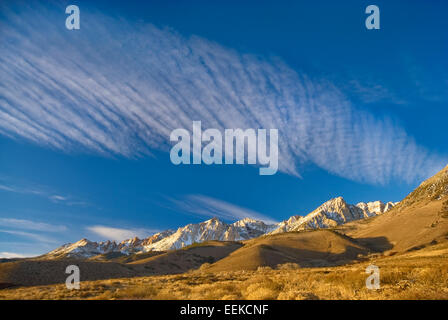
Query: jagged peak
pixel 131 241
pixel 331 204
pixel 83 241
pixel 371 202
pixel 247 220
pixel 214 220
pixel 337 200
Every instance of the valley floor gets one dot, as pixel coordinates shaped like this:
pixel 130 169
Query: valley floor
pixel 419 274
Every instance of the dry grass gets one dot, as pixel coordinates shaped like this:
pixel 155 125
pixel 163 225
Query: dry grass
pixel 414 275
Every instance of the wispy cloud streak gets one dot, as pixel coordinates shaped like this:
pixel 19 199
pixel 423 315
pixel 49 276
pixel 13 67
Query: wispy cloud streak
pixel 10 255
pixel 119 234
pixel 119 89
pixel 31 225
pixel 41 191
pixel 30 235
pixel 211 207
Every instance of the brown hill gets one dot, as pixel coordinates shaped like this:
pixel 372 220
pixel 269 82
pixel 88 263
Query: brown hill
pixel 432 189
pixel 305 248
pixel 418 220
pixel 191 257
pixel 39 272
pixel 31 272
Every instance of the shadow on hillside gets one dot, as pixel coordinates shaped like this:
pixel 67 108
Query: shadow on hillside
pixel 41 272
pixel 273 256
pixel 32 272
pixel 376 244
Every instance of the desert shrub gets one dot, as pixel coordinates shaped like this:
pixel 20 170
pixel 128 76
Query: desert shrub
pixel 393 276
pixel 215 291
pixel 288 266
pixel 135 292
pixel 260 287
pixel 258 292
pixel 204 266
pixel 345 279
pixel 264 269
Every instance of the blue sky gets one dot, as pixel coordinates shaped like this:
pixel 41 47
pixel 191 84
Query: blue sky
pixel 85 115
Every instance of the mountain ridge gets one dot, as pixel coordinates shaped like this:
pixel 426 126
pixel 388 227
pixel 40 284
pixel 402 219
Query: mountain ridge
pixel 333 212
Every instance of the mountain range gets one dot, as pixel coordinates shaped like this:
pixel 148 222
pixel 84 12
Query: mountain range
pixel 330 214
pixel 335 234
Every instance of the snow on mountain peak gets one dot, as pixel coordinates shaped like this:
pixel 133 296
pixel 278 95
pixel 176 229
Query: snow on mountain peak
pixel 332 213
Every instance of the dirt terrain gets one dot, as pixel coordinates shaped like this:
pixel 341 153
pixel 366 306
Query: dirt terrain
pixel 419 274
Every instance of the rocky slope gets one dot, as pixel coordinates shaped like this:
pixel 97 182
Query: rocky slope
pixel 432 189
pixel 419 220
pixel 332 213
pixel 213 229
pixel 86 249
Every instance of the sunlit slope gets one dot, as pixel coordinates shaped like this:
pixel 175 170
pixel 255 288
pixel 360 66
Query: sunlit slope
pixel 418 220
pixel 307 249
pixel 192 257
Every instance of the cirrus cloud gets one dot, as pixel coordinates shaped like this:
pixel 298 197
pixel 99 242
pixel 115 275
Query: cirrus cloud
pixel 116 88
pixel 10 255
pixel 31 225
pixel 198 204
pixel 119 234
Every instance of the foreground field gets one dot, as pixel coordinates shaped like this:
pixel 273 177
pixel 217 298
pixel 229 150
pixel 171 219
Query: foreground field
pixel 420 274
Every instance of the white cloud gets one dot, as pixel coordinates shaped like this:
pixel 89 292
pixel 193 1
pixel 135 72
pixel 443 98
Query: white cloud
pixel 27 248
pixel 30 235
pixel 118 234
pixel 211 207
pixel 10 255
pixel 371 92
pixel 115 88
pixel 58 198
pixel 31 225
pixel 23 190
pixel 41 191
pixel 6 188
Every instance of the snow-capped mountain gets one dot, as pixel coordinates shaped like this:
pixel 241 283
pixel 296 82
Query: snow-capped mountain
pixel 332 213
pixel 250 228
pixel 155 238
pixel 213 229
pixel 85 248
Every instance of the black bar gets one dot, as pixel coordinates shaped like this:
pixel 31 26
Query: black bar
pixel 164 309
